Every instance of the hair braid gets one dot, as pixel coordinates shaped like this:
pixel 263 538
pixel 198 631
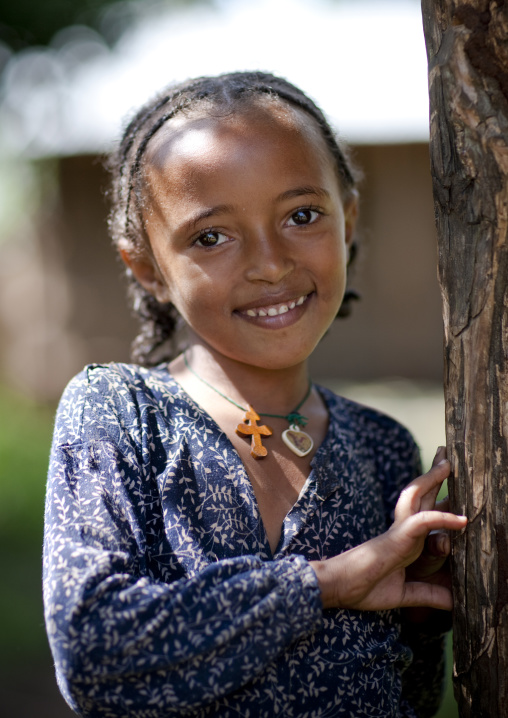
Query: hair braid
pixel 156 340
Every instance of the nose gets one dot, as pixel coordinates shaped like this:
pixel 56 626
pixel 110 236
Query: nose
pixel 268 258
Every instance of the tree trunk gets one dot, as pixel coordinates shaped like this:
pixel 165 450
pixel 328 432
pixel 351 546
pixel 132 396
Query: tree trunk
pixel 467 48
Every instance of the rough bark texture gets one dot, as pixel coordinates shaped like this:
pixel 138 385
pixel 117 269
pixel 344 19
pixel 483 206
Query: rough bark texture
pixel 467 47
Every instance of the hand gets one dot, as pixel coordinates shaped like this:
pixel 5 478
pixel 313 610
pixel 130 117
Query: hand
pixel 437 546
pixel 372 576
pixel 432 566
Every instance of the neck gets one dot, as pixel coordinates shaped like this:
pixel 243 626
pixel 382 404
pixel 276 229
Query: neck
pixel 269 390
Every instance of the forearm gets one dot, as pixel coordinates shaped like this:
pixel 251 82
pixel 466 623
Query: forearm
pixel 191 642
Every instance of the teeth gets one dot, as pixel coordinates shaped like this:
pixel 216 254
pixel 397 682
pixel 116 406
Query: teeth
pixel 277 310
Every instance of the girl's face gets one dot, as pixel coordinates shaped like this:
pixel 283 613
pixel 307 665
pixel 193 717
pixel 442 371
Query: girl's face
pixel 248 232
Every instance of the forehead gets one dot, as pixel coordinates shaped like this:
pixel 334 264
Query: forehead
pixel 210 135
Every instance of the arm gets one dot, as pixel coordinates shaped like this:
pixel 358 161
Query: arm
pixel 126 644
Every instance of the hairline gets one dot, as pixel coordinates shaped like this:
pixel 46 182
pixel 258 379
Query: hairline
pixel 304 121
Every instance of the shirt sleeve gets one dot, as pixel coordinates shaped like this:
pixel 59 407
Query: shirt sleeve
pixel 123 643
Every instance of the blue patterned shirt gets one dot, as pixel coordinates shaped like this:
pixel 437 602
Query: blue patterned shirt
pixel 162 596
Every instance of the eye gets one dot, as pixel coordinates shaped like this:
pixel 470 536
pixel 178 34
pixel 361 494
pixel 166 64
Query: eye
pixel 304 215
pixel 211 238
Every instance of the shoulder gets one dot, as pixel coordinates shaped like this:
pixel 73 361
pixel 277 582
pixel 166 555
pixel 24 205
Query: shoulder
pixel 100 381
pixel 377 440
pixel 349 413
pixel 112 395
pixel 384 436
pixel 118 373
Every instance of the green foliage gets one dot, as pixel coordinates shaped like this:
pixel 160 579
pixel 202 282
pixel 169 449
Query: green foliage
pixel 23 635
pixel 25 439
pixel 449 708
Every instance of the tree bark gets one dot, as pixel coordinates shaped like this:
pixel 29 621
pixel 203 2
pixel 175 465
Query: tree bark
pixel 467 48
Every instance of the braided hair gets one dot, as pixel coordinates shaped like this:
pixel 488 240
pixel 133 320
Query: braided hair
pixel 156 340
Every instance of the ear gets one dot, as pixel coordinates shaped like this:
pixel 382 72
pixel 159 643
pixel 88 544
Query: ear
pixel 147 273
pixel 351 216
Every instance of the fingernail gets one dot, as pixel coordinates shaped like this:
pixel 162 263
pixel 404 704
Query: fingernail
pixel 443 462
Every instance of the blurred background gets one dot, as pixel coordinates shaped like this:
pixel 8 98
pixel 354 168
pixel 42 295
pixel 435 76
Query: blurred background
pixel 71 73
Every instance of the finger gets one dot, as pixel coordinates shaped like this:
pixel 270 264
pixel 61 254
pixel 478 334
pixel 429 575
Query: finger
pixel 430 569
pixel 421 493
pixel 428 501
pixel 405 537
pixel 405 540
pixel 427 594
pixel 440 455
pixel 437 544
pixel 422 523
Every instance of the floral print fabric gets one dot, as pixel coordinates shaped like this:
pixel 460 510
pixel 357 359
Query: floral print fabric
pixel 162 596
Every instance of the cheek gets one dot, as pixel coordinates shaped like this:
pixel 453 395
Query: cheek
pixel 330 268
pixel 195 294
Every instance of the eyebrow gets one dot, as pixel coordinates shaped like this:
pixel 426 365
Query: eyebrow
pixel 305 190
pixel 206 213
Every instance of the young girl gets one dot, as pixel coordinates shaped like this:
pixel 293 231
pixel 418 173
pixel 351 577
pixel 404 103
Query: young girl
pixel 223 538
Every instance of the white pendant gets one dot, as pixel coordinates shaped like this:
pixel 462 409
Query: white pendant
pixel 297 440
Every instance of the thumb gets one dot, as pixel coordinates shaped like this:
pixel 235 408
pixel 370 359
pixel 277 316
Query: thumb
pixel 427 594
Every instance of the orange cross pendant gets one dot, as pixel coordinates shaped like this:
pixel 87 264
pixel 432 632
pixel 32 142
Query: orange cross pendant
pixel 257 450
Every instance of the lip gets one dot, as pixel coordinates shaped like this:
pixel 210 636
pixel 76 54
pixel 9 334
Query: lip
pixel 275 312
pixel 272 300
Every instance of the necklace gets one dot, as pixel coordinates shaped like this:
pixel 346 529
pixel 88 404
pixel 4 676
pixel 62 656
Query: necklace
pixel 294 438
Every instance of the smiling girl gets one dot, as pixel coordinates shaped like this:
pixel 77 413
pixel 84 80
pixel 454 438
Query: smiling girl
pixel 223 537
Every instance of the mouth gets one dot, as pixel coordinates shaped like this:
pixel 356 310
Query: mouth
pixel 275 310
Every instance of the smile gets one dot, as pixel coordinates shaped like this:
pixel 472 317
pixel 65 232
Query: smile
pixel 275 310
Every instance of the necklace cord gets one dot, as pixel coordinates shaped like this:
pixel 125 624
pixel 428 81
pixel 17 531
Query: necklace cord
pixel 294 417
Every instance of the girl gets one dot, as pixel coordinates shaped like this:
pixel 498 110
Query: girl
pixel 223 538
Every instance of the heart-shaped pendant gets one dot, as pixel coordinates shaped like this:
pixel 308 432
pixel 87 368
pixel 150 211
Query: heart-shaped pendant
pixel 297 440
